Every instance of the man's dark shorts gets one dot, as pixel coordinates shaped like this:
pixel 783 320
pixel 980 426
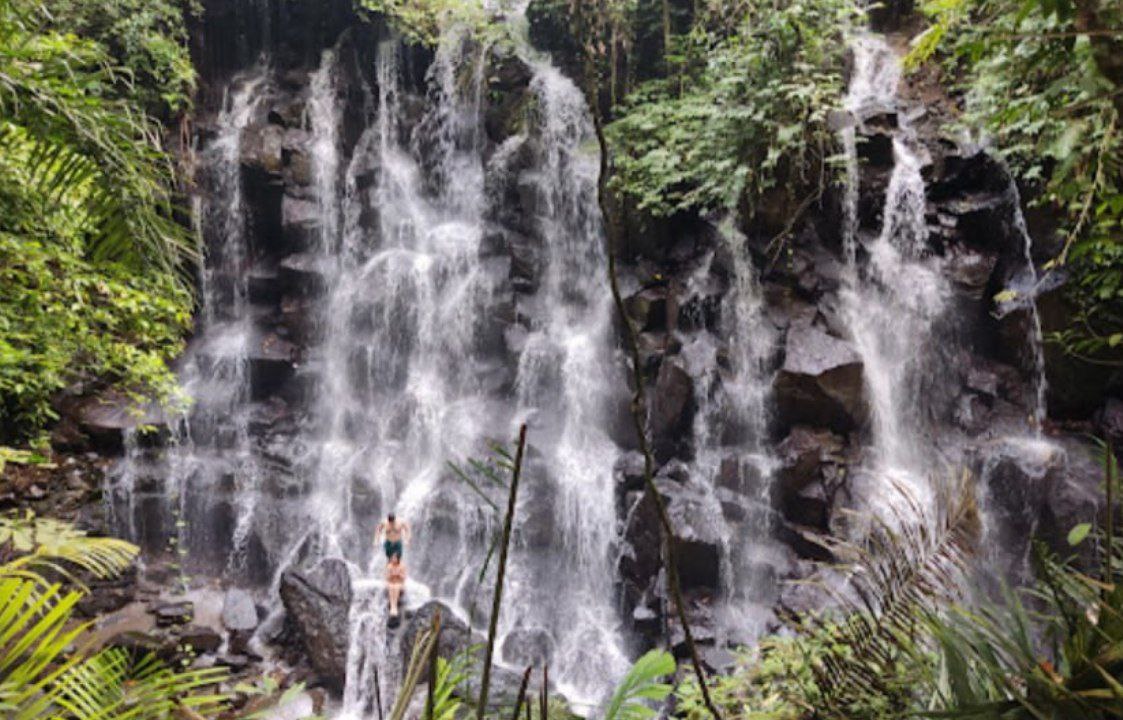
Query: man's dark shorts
pixel 392 548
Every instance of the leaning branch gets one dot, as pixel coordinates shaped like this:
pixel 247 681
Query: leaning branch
pixel 639 406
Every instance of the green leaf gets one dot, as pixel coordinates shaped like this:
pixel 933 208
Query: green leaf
pixel 1077 534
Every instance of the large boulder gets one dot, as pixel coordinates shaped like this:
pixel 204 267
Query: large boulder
pixel 456 636
pixel 317 601
pixel 1035 487
pixel 820 382
pixel 671 410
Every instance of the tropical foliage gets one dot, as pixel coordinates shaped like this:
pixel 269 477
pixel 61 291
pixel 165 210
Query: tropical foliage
pixel 743 111
pixel 1044 79
pixel 48 670
pixel 92 255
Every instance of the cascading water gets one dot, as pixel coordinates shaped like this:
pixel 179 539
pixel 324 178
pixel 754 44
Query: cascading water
pixel 212 448
pixel 731 431
pixel 892 305
pixel 1028 300
pixel 422 351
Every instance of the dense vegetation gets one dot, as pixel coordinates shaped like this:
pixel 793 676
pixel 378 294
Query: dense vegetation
pixel 1044 78
pixel 731 116
pixel 92 255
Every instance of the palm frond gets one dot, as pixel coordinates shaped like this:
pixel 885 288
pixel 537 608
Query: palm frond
pixel 83 141
pixel 43 544
pixel 910 566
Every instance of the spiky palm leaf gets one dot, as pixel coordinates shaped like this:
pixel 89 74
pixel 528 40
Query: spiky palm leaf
pixel 912 564
pixel 45 669
pixel 42 544
pixel 34 639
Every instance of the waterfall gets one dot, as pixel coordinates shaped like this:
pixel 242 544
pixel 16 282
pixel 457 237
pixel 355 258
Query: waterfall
pixel 1036 340
pixel 211 450
pixel 731 433
pixel 892 304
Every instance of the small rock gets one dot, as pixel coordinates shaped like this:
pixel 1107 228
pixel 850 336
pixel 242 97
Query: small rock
pixel 178 613
pixel 238 611
pixel 199 639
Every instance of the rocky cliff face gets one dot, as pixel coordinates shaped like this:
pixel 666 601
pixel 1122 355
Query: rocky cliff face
pixel 764 412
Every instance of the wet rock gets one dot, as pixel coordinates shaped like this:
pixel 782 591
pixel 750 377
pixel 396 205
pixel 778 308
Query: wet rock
pixel 629 472
pixel 262 148
pixel 199 640
pixel 820 382
pixel 177 613
pixel 969 269
pixel 300 222
pixel 528 646
pixel 648 309
pixel 700 615
pixel 1036 488
pixel 140 644
pixel 641 553
pixel 239 617
pixel 808 506
pixel 876 150
pixel 456 636
pixel 802 454
pixel 104 419
pixel 671 410
pixel 698 546
pixel 317 601
pixel 238 611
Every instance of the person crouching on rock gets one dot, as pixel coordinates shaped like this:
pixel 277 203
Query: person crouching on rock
pixel 395 582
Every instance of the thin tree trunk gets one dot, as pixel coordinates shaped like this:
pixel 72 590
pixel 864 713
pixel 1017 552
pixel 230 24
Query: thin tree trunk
pixel 497 599
pixel 639 416
pixel 521 697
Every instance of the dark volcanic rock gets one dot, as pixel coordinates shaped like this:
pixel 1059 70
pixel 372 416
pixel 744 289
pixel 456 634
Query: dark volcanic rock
pixel 456 636
pixel 671 412
pixel 1037 487
pixel 802 453
pixel 317 602
pixel 238 610
pixel 698 545
pixel 199 640
pixel 179 613
pixel 820 382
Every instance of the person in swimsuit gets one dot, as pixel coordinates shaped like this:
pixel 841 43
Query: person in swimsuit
pixel 396 534
pixel 395 582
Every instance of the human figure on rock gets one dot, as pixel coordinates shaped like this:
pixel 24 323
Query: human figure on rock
pixel 395 533
pixel 395 583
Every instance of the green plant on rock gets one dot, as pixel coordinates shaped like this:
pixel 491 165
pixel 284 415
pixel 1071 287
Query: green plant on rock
pixel 92 290
pixel 1044 78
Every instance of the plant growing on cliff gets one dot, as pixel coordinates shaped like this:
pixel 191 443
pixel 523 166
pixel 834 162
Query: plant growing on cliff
pixel 91 254
pixel 744 113
pixel 1045 79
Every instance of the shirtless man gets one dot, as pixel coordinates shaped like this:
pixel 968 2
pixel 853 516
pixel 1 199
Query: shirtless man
pixel 396 535
pixel 395 582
